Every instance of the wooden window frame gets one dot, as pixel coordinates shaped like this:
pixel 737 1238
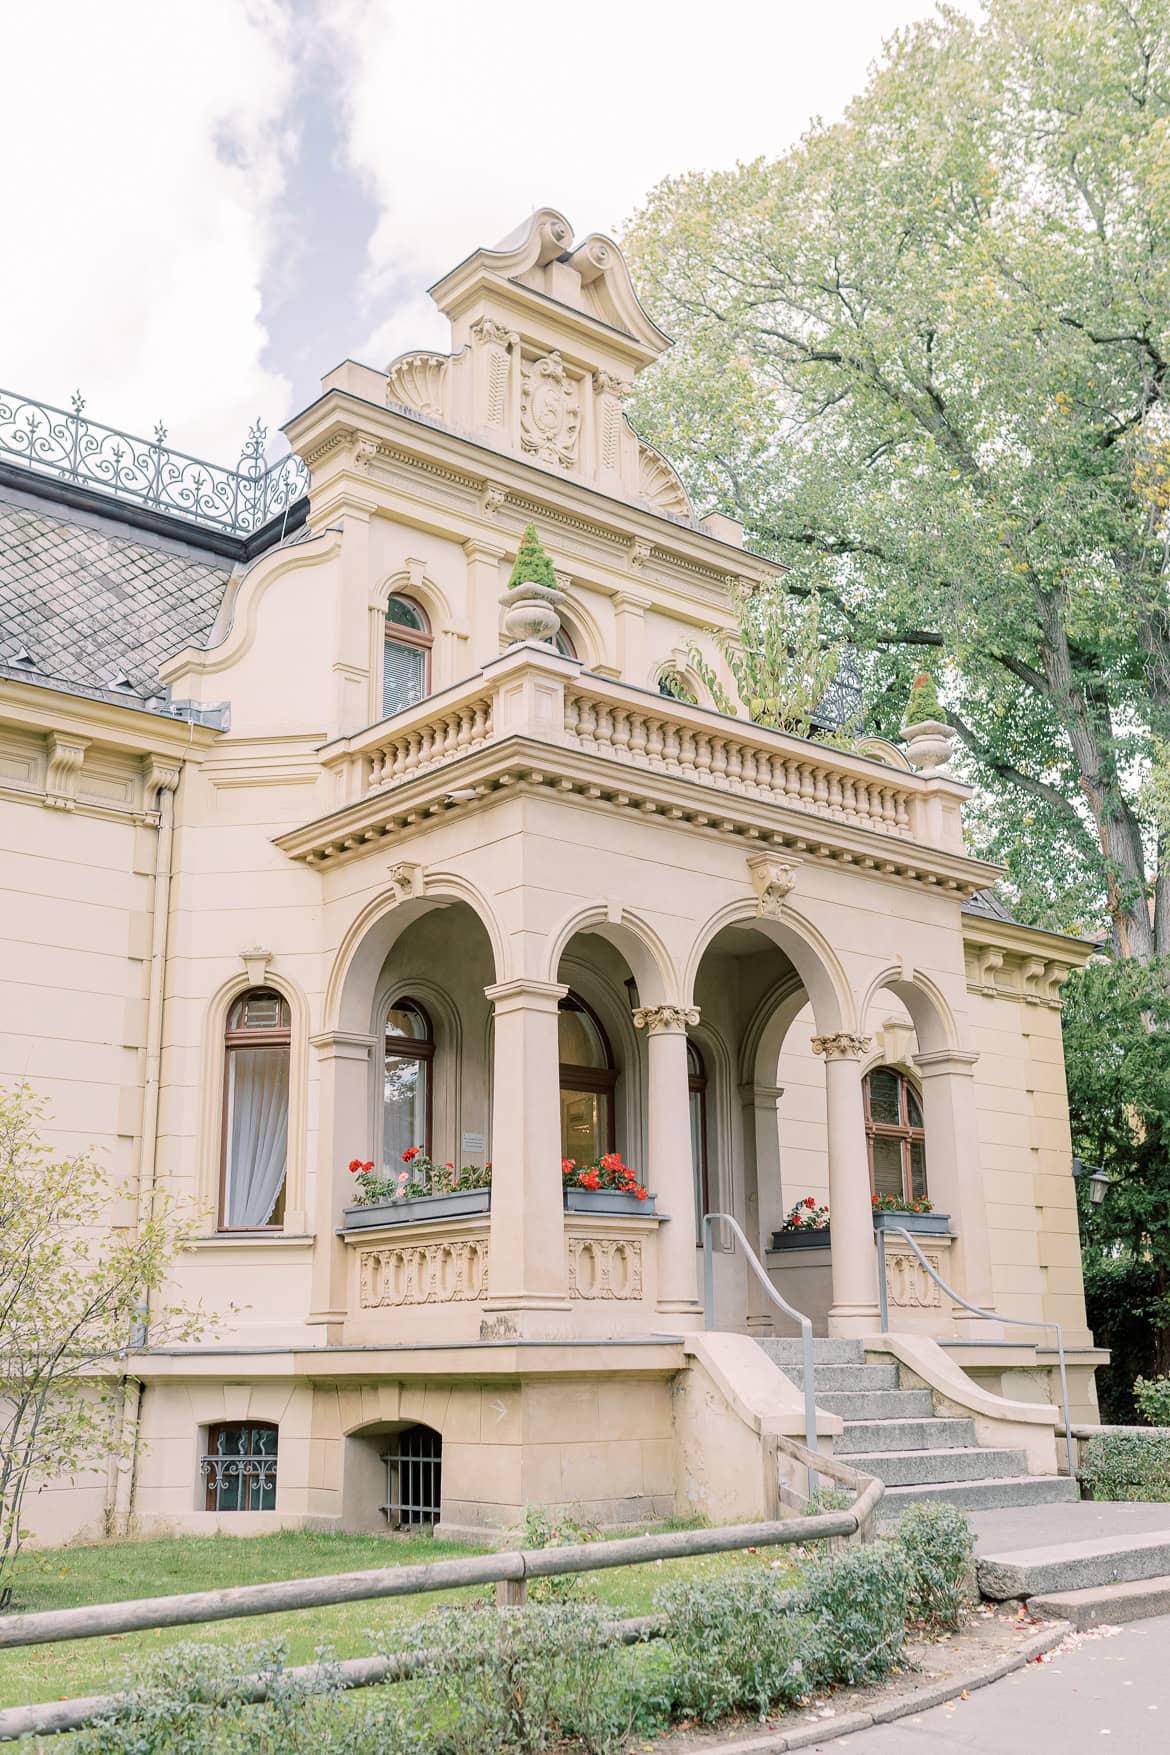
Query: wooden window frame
pixel 233 1039
pixel 902 1131
pixel 226 1426
pixel 591 1078
pixel 697 1085
pixel 412 1048
pixel 422 639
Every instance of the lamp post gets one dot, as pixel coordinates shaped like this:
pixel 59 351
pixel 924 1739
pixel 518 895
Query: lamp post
pixel 1099 1179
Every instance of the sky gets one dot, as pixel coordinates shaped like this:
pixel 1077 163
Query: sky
pixel 209 203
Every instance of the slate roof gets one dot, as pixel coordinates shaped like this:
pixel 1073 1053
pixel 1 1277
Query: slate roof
pixel 988 903
pixel 90 605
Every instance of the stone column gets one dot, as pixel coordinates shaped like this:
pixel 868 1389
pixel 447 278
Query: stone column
pixel 854 1309
pixel 670 1171
pixel 343 1126
pixel 759 1106
pixel 527 1271
pixel 953 1176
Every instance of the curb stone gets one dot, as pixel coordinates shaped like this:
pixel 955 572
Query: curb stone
pixel 901 1706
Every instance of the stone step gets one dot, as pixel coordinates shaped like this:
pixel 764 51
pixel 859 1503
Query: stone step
pixel 1071 1566
pixel 879 1404
pixel 902 1434
pixel 916 1468
pixel 987 1495
pixel 825 1352
pixel 846 1377
pixel 1106 1605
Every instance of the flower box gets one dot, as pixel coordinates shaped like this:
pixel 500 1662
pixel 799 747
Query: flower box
pixel 461 1205
pixel 809 1237
pixel 918 1224
pixel 608 1200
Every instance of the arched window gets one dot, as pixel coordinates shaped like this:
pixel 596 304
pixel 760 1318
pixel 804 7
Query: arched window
pixel 894 1131
pixel 674 685
pixel 239 1466
pixel 414 1478
pixel 406 1084
pixel 564 644
pixel 588 1077
pixel 255 1113
pixel 406 667
pixel 697 1086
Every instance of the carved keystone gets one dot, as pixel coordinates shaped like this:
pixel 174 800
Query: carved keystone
pixel 772 879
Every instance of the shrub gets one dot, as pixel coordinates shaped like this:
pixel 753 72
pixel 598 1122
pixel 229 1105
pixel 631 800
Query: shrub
pixel 532 565
pixel 857 1603
pixel 939 1548
pixel 1152 1395
pixel 512 1679
pixel 735 1644
pixel 1127 1465
pixel 548 1529
pixel 923 703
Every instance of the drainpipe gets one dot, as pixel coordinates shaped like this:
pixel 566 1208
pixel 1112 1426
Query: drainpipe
pixel 161 778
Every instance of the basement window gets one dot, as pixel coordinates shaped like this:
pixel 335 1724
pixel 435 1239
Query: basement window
pixel 414 1478
pixel 239 1466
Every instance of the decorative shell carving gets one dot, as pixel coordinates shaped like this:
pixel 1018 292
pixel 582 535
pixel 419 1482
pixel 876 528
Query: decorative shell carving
pixel 418 379
pixel 658 485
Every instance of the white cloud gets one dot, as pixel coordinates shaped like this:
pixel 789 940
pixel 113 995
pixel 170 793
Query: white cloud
pixel 150 145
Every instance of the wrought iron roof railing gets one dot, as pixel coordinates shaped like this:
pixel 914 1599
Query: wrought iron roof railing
pixel 64 444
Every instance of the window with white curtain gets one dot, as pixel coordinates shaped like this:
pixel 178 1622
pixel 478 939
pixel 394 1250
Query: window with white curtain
pixel 406 1087
pixel 255 1112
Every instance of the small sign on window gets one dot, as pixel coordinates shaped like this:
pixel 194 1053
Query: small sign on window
pixel 473 1142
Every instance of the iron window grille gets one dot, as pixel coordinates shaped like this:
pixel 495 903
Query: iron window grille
pixel 240 1467
pixel 414 1478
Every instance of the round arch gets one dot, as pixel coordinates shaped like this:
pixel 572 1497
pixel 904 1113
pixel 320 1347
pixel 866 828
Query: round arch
pixel 649 960
pixel 933 1020
pixel 767 1028
pixel 807 949
pixel 420 589
pixel 581 626
pixel 357 966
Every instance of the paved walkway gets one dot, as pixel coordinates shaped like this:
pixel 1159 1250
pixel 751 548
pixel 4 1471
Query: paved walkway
pixel 1110 1694
pixel 1044 1526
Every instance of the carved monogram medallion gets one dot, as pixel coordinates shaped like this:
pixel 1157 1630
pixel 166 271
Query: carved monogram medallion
pixel 550 411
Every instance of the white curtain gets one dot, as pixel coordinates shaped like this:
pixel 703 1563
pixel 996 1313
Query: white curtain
pixel 257 1133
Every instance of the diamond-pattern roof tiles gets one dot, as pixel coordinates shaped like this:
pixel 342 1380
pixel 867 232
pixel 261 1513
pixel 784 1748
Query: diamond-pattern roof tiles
pixel 91 607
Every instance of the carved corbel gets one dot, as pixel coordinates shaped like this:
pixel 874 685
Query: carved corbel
pixel 640 551
pixel 406 880
pixel 159 776
pixel 256 961
pixel 772 880
pixel 662 1020
pixel 1031 975
pixel 66 755
pixel 492 498
pixel 1055 976
pixel 987 960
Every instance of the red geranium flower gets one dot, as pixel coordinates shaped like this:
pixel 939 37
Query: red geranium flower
pixel 410 1154
pixel 355 1165
pixel 641 1193
pixel 369 1166
pixel 810 1202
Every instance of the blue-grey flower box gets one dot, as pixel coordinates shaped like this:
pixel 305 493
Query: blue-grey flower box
pixel 918 1224
pixel 461 1205
pixel 806 1237
pixel 608 1200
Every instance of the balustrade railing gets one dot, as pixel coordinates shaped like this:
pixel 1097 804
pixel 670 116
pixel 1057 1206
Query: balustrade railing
pixel 64 444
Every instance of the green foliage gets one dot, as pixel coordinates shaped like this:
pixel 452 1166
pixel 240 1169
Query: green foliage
pixel 939 1548
pixel 1152 1395
pixel 76 1297
pixel 673 683
pixel 513 1680
pixel 735 1645
pixel 1127 1465
pixel 923 702
pixel 923 357
pixel 533 566
pixel 1117 1062
pixel 857 1602
pixel 780 657
pixel 549 1529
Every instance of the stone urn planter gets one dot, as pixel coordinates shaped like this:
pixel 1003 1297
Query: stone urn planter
pixel 530 613
pixel 809 1239
pixel 463 1204
pixel 918 1224
pixel 609 1200
pixel 928 745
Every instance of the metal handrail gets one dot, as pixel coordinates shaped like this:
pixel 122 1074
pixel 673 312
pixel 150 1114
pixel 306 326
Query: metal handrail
pixel 976 1310
pixel 806 1334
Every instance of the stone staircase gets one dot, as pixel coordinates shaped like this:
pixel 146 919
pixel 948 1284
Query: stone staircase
pixel 895 1434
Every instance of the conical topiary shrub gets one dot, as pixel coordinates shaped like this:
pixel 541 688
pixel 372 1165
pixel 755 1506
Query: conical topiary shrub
pixel 533 566
pixel 924 703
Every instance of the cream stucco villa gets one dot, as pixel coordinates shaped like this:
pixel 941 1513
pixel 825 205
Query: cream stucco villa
pixel 307 858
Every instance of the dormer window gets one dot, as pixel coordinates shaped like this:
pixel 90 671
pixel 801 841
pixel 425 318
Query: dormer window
pixel 406 670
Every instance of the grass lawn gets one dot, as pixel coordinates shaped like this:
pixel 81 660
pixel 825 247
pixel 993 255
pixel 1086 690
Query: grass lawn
pixel 61 1578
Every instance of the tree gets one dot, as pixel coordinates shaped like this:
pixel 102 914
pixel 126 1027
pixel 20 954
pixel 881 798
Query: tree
pixel 782 663
pixel 77 1297
pixel 924 357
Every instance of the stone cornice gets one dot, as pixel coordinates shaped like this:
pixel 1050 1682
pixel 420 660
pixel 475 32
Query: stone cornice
pixel 1008 961
pixel 47 711
pixel 521 764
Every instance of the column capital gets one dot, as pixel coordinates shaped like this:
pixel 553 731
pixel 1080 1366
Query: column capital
pixel 960 1061
pixel 665 1020
pixel 343 1045
pixel 523 993
pixel 842 1045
